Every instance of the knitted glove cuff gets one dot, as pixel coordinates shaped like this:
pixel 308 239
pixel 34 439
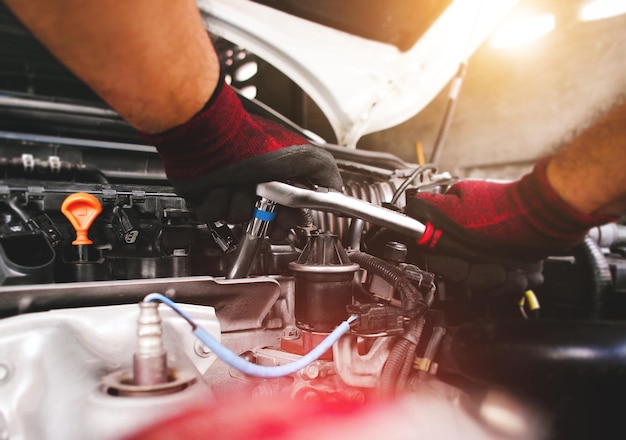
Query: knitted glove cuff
pixel 219 135
pixel 549 214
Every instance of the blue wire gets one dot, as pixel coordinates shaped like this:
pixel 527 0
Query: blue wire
pixel 157 297
pixel 249 368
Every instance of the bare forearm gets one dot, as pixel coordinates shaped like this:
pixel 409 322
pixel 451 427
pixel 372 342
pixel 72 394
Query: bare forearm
pixel 590 172
pixel 151 60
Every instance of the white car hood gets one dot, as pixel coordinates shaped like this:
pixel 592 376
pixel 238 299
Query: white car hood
pixel 362 86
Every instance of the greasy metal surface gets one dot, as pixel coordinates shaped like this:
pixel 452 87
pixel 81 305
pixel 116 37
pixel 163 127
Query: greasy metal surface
pixel 360 370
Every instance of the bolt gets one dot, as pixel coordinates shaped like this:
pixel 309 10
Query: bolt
pixel 311 371
pixel 291 332
pixel 201 350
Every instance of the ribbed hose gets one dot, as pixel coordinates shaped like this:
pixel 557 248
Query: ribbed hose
pixel 600 275
pixel 413 303
pixel 407 366
pixel 394 374
pixel 86 174
pixel 376 193
pixel 409 359
pixel 393 366
pixel 305 219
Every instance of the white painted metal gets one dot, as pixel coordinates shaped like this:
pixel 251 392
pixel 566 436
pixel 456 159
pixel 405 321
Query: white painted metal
pixel 362 86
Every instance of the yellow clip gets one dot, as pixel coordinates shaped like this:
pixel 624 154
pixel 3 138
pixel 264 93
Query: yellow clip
pixel 422 364
pixel 533 302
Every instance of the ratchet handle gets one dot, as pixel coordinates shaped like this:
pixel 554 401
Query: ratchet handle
pixel 334 201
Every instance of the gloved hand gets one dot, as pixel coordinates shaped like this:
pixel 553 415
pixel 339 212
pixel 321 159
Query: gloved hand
pixel 492 236
pixel 481 273
pixel 215 159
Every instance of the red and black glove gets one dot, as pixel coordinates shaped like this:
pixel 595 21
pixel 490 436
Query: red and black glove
pixel 523 220
pixel 216 158
pixel 491 236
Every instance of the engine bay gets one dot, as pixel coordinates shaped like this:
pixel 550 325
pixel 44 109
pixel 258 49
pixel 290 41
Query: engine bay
pixel 118 307
pixel 70 313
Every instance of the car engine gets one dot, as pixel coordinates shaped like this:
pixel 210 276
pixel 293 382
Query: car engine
pixel 93 238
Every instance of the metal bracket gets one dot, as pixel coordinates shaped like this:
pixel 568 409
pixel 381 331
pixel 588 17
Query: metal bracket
pixel 360 370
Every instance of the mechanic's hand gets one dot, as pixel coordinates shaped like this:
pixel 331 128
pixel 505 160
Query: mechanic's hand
pixel 492 236
pixel 229 193
pixel 522 220
pixel 482 273
pixel 216 159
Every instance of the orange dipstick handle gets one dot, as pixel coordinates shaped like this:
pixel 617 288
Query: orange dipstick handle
pixel 81 209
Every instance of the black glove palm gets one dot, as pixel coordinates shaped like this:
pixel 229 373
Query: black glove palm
pixel 215 159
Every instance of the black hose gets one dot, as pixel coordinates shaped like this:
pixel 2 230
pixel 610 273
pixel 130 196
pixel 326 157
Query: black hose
pixel 407 366
pixel 12 201
pixel 541 352
pixel 393 366
pixel 394 374
pixel 409 359
pixel 305 219
pixel 413 303
pixel 419 170
pixel 601 278
pixel 43 169
pixel 355 233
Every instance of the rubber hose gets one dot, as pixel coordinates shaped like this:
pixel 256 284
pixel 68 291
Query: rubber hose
pixel 407 366
pixel 413 303
pixel 403 377
pixel 600 275
pixel 393 366
pixel 87 174
pixel 406 344
pixel 536 353
pixel 305 218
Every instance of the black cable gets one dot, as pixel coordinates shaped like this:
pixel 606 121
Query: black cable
pixel 413 303
pixel 419 170
pixel 601 279
pixel 12 201
pixel 405 346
